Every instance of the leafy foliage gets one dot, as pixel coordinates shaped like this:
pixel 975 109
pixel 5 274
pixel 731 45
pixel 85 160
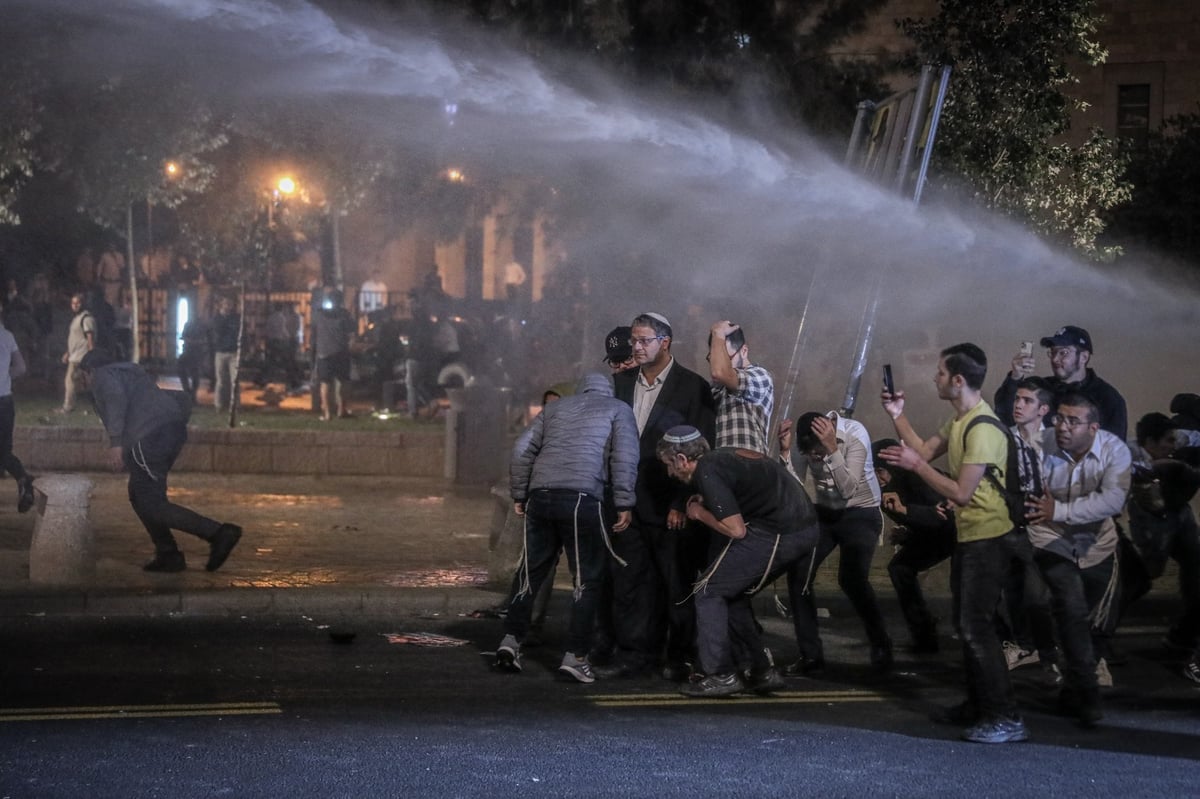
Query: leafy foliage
pixel 1164 206
pixel 1001 129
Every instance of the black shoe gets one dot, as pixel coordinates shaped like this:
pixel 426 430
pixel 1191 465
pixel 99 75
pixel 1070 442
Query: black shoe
pixel 806 667
pixel 881 657
pixel 960 715
pixel 24 494
pixel 166 562
pixel 714 685
pixel 677 672
pixel 621 671
pixel 765 681
pixel 221 545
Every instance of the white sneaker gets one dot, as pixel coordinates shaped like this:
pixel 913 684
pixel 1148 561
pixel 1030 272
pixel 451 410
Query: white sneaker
pixel 508 655
pixel 1016 657
pixel 1103 675
pixel 578 668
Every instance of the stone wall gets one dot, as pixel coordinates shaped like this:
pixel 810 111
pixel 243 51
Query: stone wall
pixel 395 454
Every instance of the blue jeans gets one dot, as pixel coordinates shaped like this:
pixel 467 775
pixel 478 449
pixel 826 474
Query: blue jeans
pixel 978 573
pixel 573 522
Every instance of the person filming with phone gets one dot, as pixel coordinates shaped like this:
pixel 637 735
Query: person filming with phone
pixel 1070 351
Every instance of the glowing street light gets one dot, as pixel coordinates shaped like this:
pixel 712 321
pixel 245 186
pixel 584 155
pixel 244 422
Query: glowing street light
pixel 285 186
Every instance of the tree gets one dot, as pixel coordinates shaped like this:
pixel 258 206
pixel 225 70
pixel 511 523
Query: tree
pixel 1165 204
pixel 1001 128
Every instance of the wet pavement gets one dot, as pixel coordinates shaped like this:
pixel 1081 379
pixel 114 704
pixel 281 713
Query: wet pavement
pixel 349 542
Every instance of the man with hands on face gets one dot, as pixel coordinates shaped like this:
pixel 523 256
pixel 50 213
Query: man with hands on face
pixel 743 391
pixel 838 452
pixel 764 523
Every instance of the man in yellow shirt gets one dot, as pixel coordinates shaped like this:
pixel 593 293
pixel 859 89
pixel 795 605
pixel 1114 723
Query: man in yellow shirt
pixel 987 544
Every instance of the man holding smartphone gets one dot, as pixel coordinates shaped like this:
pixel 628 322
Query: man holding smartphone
pixel 1070 352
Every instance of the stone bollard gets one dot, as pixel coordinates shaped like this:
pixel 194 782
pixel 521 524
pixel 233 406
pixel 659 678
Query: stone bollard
pixel 63 551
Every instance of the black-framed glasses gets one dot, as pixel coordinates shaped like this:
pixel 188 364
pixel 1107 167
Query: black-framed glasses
pixel 645 341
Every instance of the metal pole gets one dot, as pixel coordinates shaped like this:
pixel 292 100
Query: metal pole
pixel 916 116
pixel 135 328
pixel 866 331
pixel 935 117
pixel 856 134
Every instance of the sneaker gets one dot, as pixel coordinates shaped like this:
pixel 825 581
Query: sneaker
pixel 166 562
pixel 765 681
pixel 577 668
pixel 24 494
pixel 1103 675
pixel 221 545
pixel 508 655
pixel 1192 670
pixel 714 685
pixel 999 730
pixel 1016 657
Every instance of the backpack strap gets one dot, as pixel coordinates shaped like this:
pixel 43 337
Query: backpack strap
pixel 991 469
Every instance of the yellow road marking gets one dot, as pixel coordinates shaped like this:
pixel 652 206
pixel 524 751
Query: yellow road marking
pixel 778 697
pixel 139 711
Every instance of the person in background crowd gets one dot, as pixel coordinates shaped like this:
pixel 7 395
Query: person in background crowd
pixel 81 339
pixel 225 332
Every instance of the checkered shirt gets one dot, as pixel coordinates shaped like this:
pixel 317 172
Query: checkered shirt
pixel 744 413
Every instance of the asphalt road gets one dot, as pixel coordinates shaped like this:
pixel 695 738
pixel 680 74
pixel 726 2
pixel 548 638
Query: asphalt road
pixel 199 707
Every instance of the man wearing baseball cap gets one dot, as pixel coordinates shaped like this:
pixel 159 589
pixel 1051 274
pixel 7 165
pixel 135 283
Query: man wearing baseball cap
pixel 1070 352
pixel 618 353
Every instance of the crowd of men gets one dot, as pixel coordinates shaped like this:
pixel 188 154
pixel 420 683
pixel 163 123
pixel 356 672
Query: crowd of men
pixel 674 506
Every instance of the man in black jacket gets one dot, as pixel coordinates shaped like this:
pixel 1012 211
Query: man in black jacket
pixel 663 554
pixel 147 428
pixel 1070 351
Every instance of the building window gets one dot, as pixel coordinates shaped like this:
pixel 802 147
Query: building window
pixel 1133 113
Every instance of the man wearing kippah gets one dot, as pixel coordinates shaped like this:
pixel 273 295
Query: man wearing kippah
pixel 662 553
pixel 1070 351
pixel 764 524
pixel 744 391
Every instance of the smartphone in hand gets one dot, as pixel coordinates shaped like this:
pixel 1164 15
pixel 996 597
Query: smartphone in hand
pixel 1026 349
pixel 889 385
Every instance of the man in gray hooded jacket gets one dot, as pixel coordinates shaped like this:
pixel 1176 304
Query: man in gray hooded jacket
pixel 578 457
pixel 147 428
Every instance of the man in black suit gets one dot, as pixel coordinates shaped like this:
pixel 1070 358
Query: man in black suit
pixel 660 554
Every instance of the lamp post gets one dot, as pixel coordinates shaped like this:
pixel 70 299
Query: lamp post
pixel 171 170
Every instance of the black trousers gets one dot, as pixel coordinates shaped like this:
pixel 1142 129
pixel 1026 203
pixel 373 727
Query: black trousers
pixel 652 608
pixel 149 461
pixel 8 461
pixel 856 532
pixel 921 551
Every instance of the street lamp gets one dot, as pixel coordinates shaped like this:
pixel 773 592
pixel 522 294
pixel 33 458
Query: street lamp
pixel 171 170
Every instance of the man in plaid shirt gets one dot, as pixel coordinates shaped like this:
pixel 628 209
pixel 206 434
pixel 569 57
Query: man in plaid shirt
pixel 744 392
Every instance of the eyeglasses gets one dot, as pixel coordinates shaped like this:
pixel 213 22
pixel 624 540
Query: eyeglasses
pixel 1058 420
pixel 645 341
pixel 1060 353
